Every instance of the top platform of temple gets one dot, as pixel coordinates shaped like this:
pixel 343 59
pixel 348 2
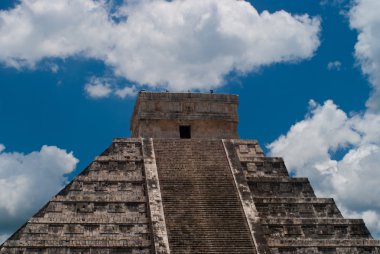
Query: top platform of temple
pixel 185 115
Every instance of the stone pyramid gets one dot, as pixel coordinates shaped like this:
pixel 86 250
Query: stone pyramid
pixel 185 183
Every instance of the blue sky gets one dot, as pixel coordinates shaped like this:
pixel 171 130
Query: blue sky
pixel 63 100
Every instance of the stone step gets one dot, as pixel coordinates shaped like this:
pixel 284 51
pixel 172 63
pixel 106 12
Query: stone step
pixel 280 187
pixel 201 204
pixel 265 167
pixel 104 236
pixel 323 249
pixel 91 219
pixel 103 197
pixel 79 250
pixel 326 228
pixel 326 250
pixel 72 207
pixel 297 207
pixel 76 243
pixel 296 243
pixel 84 229
pixel 89 188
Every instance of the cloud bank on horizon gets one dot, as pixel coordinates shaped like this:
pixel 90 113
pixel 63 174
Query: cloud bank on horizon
pixel 178 45
pixel 340 152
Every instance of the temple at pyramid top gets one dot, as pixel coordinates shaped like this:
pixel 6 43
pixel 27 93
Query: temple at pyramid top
pixel 185 115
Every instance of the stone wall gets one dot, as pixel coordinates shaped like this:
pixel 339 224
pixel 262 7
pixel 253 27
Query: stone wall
pixel 159 115
pixel 199 129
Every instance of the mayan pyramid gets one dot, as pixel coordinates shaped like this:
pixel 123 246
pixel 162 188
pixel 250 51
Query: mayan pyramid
pixel 185 183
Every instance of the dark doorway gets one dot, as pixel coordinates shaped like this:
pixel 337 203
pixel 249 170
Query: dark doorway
pixel 185 131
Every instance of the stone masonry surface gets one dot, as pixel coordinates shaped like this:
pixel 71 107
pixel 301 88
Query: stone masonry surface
pixel 159 115
pixel 160 234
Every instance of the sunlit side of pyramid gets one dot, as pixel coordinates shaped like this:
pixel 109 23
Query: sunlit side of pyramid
pixel 185 183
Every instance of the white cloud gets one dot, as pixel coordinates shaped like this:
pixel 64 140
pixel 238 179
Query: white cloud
pixel 126 91
pixel 104 87
pixel 189 44
pixel 324 130
pixel 334 65
pixel 309 149
pixel 365 18
pixel 27 181
pixel 54 68
pixel 98 88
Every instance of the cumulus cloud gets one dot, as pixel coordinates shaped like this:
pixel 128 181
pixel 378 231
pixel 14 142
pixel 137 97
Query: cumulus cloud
pixel 341 155
pixel 334 65
pixel 180 45
pixel 126 91
pixel 98 88
pixel 104 87
pixel 27 181
pixel 328 130
pixel 365 18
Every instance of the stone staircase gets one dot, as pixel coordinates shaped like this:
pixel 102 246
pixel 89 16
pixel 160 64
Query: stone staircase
pixel 202 209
